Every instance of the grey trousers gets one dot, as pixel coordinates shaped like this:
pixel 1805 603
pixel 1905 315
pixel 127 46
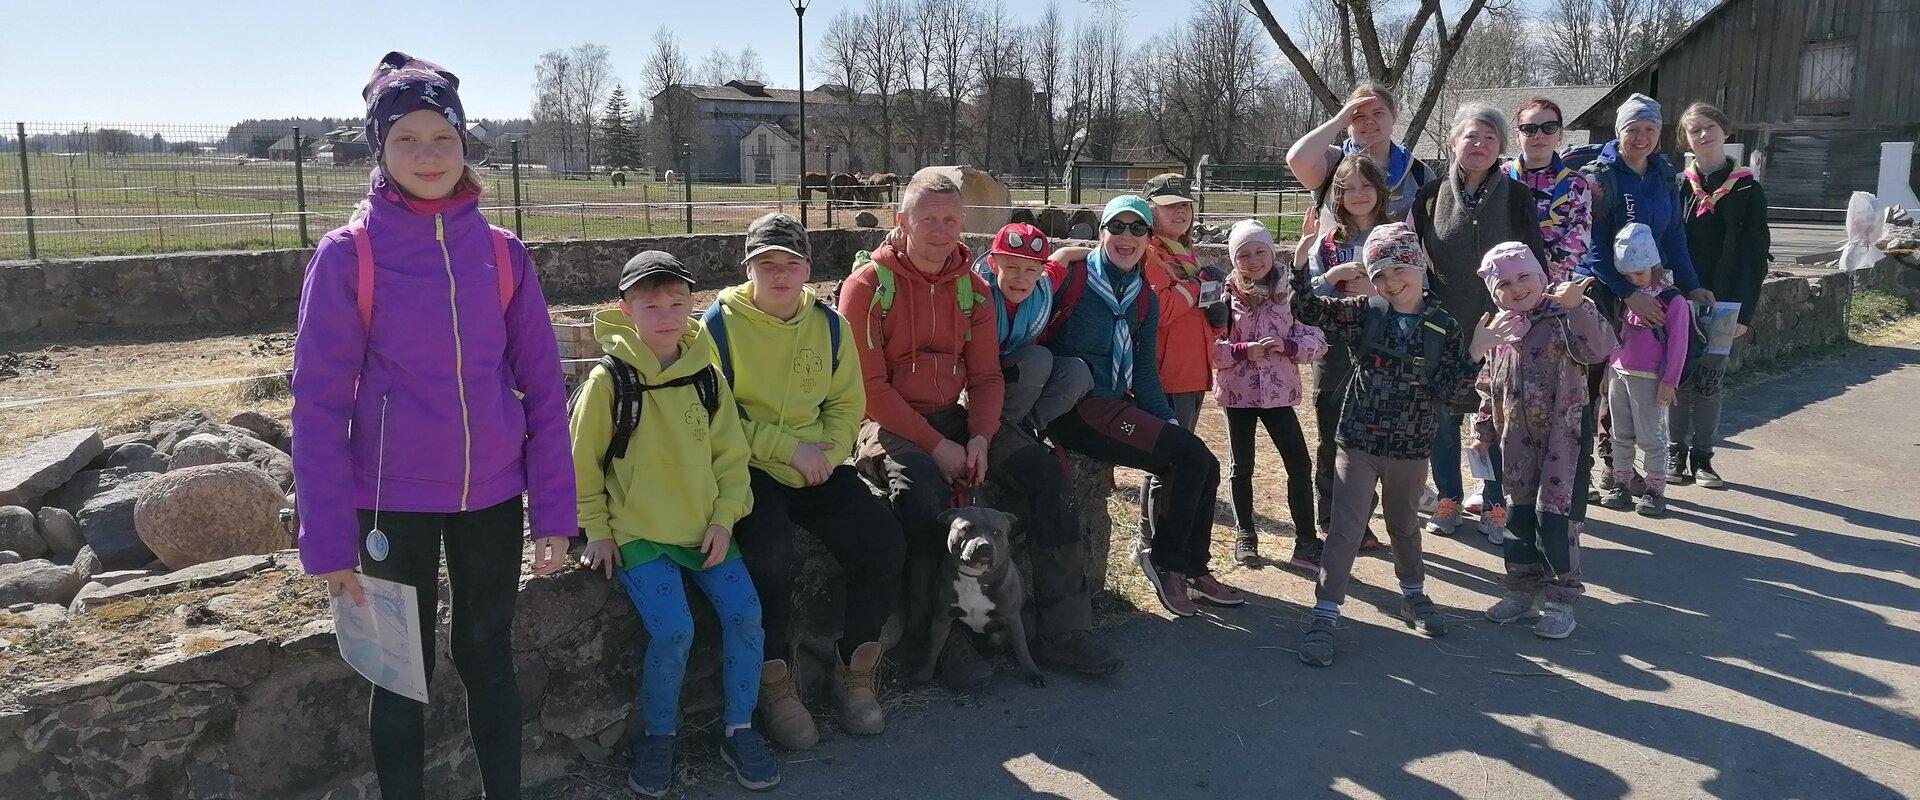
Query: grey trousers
pixel 1639 422
pixel 1401 481
pixel 1041 387
pixel 1694 419
pixel 1186 409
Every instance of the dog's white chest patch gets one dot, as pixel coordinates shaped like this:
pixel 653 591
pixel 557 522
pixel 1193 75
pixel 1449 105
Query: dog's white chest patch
pixel 972 602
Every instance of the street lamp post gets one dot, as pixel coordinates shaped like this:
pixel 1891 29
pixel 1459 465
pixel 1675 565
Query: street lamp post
pixel 800 25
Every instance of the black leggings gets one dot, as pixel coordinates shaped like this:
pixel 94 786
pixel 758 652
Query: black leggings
pixel 1284 429
pixel 854 525
pixel 483 566
pixel 1190 474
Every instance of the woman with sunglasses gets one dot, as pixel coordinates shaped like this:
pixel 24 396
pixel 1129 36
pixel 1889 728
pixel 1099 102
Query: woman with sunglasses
pixel 1562 197
pixel 1108 319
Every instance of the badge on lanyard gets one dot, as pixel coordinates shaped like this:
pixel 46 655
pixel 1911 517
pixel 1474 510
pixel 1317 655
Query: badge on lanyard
pixel 377 544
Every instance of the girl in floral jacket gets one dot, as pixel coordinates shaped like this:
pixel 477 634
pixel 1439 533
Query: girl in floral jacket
pixel 1534 407
pixel 1258 357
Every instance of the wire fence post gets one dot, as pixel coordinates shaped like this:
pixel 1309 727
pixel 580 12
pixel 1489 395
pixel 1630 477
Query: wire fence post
pixel 646 205
pixel 1073 182
pixel 686 179
pixel 519 230
pixel 300 188
pixel 26 191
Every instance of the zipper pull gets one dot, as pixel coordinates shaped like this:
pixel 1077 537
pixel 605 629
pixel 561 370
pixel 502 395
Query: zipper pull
pixel 440 228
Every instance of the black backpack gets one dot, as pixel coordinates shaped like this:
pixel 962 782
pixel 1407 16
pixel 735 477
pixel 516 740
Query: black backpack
pixel 1435 328
pixel 628 392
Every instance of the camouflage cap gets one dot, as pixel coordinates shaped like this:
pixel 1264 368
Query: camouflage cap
pixel 1167 189
pixel 777 232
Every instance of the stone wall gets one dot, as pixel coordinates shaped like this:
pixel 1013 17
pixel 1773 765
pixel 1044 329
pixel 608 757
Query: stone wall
pixel 232 707
pixel 1802 311
pixel 40 299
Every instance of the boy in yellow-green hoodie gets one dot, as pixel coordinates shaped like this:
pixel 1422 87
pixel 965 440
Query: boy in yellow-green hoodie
pixel 668 503
pixel 795 371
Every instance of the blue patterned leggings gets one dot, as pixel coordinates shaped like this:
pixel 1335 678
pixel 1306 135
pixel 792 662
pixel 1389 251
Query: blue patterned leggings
pixel 661 599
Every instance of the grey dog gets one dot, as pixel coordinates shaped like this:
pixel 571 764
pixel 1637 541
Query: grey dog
pixel 979 586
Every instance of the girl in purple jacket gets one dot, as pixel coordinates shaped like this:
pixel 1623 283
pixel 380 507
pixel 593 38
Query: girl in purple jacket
pixel 427 400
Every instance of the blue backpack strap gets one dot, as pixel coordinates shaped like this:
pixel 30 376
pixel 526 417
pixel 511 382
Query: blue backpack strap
pixel 716 321
pixel 833 339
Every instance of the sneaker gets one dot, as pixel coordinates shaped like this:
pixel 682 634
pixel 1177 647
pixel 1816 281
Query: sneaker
pixel 1422 615
pixel 1556 622
pixel 1429 501
pixel 1651 504
pixel 1370 542
pixel 1704 472
pixel 1075 651
pixel 751 759
pixel 651 773
pixel 1679 472
pixel 961 667
pixel 1316 647
pixel 1171 588
pixel 1638 487
pixel 1514 605
pixel 1446 517
pixel 1206 587
pixel 1306 554
pixel 1493 523
pixel 1246 549
pixel 1598 494
pixel 1615 498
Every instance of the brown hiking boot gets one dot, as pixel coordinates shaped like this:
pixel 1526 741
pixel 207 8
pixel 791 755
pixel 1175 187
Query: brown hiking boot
pixel 856 694
pixel 785 719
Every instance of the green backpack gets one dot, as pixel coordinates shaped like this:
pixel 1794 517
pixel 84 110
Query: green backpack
pixel 884 289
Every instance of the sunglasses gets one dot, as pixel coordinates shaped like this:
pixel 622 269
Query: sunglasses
pixel 1548 128
pixel 1118 228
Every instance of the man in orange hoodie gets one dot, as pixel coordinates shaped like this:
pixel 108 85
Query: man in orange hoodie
pixel 926 333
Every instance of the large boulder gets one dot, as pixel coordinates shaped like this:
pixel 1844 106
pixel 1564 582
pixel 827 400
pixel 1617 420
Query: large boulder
pixel 87 563
pixel 61 532
pixel 138 457
pixel 201 449
pixel 262 427
pixel 19 534
pixel 38 581
pixel 199 514
pixel 46 464
pixel 107 522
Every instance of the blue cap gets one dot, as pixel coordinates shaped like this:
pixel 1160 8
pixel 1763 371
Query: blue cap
pixel 1127 202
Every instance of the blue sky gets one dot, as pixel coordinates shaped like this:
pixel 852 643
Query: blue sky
pixel 207 62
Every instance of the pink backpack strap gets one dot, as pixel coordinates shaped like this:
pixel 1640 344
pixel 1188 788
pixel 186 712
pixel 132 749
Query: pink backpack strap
pixel 363 285
pixel 503 264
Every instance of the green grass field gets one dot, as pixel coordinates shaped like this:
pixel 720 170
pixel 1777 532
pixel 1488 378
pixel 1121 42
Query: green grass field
pixel 109 205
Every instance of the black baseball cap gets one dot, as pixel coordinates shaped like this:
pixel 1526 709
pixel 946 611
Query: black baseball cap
pixel 1168 188
pixel 777 231
pixel 653 262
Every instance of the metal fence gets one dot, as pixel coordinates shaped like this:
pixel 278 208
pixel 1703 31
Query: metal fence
pixel 71 190
pixel 90 189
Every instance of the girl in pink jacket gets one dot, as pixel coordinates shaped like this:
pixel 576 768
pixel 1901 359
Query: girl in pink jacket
pixel 1258 358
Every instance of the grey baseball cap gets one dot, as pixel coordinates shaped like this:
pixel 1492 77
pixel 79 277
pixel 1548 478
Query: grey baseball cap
pixel 777 231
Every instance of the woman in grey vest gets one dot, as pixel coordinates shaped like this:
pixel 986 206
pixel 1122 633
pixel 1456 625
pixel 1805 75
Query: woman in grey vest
pixel 1460 217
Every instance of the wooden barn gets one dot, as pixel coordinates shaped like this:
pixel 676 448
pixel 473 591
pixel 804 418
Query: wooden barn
pixel 1813 88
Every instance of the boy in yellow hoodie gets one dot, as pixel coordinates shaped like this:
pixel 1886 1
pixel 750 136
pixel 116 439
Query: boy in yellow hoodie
pixel 668 503
pixel 793 366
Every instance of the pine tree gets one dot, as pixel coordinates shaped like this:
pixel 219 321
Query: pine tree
pixel 616 125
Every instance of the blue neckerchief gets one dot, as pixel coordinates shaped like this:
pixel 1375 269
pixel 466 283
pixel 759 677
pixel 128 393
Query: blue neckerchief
pixel 1119 292
pixel 1029 318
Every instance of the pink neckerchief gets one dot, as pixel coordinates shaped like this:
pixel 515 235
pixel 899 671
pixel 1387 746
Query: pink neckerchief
pixel 1700 194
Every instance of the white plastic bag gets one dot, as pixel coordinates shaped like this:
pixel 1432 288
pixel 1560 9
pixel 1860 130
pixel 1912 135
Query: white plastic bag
pixel 1865 226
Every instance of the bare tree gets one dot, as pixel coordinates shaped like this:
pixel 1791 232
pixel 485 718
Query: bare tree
pixel 840 57
pixel 880 62
pixel 664 76
pixel 1386 62
pixel 991 57
pixel 749 66
pixel 1047 63
pixel 953 53
pixel 553 105
pixel 591 79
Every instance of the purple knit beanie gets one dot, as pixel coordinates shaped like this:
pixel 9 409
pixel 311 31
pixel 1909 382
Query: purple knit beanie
pixel 403 84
